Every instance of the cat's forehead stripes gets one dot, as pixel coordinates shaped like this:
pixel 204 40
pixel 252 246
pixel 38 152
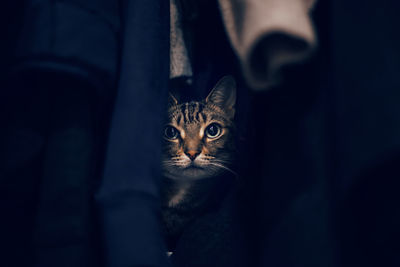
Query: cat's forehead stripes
pixel 186 114
pixel 189 112
pixel 203 116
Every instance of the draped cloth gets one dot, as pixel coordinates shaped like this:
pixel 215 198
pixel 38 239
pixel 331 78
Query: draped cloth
pixel 128 195
pixel 55 95
pixel 268 35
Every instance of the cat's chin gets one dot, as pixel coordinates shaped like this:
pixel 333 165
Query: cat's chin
pixel 192 173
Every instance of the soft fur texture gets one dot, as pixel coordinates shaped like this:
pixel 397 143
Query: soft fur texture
pixel 191 152
pixel 198 150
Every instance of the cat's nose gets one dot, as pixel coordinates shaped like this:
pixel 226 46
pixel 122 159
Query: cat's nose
pixel 192 154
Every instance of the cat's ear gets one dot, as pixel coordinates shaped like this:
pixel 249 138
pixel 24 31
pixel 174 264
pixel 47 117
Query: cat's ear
pixel 172 101
pixel 224 95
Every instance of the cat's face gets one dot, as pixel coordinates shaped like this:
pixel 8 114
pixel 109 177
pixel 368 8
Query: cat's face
pixel 199 135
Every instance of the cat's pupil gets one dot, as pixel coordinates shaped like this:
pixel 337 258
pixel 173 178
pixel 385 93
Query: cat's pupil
pixel 213 130
pixel 171 132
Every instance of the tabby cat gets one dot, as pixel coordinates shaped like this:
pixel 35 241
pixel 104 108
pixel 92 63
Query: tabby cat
pixel 198 149
pixel 199 138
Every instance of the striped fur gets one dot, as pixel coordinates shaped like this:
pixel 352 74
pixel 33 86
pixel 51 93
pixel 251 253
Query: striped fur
pixel 194 154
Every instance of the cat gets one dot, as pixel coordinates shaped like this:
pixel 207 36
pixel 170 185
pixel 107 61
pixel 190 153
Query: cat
pixel 198 148
pixel 198 138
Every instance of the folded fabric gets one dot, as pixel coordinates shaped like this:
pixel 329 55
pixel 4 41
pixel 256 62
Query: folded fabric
pixel 268 35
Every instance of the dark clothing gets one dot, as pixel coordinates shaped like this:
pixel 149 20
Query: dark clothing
pixel 58 80
pixel 128 196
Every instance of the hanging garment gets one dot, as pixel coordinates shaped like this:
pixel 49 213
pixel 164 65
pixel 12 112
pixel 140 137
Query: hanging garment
pixel 55 97
pixel 128 196
pixel 268 35
pixel 330 140
pixel 366 122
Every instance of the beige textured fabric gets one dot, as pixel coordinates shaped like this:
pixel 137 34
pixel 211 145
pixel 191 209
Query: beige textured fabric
pixel 179 59
pixel 268 35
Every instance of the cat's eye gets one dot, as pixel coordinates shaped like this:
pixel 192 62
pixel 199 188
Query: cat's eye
pixel 213 130
pixel 171 132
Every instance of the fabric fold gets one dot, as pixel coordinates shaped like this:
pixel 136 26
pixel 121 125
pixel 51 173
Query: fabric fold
pixel 268 35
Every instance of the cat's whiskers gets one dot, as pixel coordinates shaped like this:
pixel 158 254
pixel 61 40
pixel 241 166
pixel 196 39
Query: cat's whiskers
pixel 180 162
pixel 221 161
pixel 222 166
pixel 168 164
